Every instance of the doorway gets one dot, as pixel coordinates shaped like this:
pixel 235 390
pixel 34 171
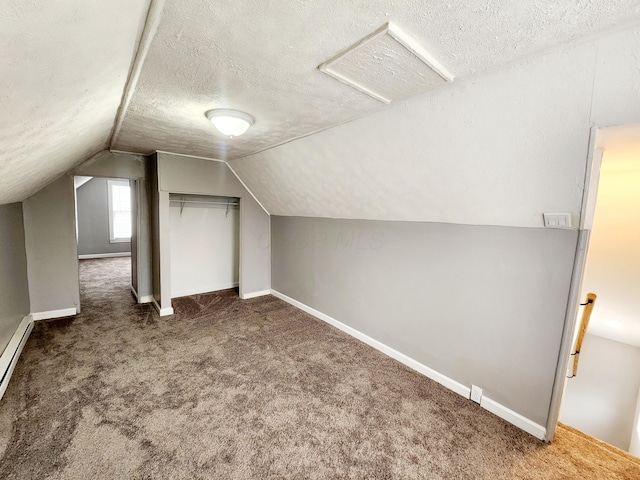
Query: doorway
pixel 105 222
pixel 603 399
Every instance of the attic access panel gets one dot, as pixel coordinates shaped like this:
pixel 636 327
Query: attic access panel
pixel 388 65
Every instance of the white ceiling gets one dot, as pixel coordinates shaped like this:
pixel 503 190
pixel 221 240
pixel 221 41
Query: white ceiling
pixel 613 259
pixel 65 64
pixel 63 67
pixel 262 57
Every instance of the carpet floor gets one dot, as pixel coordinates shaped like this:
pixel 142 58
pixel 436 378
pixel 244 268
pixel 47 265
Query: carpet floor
pixel 238 389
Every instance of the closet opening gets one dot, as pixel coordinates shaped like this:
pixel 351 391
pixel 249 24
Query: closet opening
pixel 204 243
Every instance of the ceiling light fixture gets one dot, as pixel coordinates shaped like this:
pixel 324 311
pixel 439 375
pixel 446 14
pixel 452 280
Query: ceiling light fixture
pixel 231 123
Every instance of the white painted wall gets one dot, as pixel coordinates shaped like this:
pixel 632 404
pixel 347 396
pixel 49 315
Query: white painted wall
pixel 498 148
pixel 204 248
pixel 601 400
pixel 613 259
pixel 634 446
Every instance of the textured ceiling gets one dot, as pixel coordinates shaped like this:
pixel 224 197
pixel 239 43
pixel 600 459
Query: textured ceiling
pixel 500 147
pixel 64 66
pixel 387 65
pixel 491 150
pixel 262 57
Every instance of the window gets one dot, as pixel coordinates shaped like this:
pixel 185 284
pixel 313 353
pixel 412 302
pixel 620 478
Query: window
pixel 119 211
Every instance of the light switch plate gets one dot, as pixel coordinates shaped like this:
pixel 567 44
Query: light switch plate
pixel 557 220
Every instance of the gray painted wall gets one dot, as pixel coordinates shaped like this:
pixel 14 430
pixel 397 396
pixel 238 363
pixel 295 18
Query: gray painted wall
pixel 14 288
pixel 49 220
pixel 93 220
pixel 181 174
pixel 52 254
pixel 483 305
pixel 601 399
pixel 113 164
pixel 134 234
pixel 141 254
pixel 154 217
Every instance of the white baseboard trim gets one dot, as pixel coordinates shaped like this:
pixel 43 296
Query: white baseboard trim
pixel 494 407
pixel 163 312
pixel 104 255
pixel 514 418
pixel 9 357
pixel 65 312
pixel 247 296
pixel 401 357
pixel 196 291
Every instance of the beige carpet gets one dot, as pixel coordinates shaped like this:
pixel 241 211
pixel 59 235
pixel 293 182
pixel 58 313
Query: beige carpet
pixel 236 389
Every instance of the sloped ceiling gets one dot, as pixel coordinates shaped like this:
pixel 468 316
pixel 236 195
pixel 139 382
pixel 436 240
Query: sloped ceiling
pixel 501 147
pixel 262 57
pixel 65 66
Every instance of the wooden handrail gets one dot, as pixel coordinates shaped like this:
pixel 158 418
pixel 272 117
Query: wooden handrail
pixel 584 323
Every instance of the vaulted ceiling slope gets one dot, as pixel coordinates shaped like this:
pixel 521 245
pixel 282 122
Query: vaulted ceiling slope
pixel 63 68
pixel 67 61
pixel 499 148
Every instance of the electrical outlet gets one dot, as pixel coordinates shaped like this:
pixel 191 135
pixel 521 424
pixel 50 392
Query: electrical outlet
pixel 476 394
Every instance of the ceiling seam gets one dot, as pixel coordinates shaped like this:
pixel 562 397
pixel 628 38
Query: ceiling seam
pixel 202 158
pixel 247 188
pixel 152 21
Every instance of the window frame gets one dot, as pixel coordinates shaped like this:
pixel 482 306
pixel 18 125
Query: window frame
pixel 110 184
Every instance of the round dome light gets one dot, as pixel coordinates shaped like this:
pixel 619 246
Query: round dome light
pixel 231 123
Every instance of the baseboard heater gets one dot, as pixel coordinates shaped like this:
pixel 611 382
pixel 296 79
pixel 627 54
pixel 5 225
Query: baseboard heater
pixel 9 357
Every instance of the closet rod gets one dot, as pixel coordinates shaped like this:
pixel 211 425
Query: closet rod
pixel 205 202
